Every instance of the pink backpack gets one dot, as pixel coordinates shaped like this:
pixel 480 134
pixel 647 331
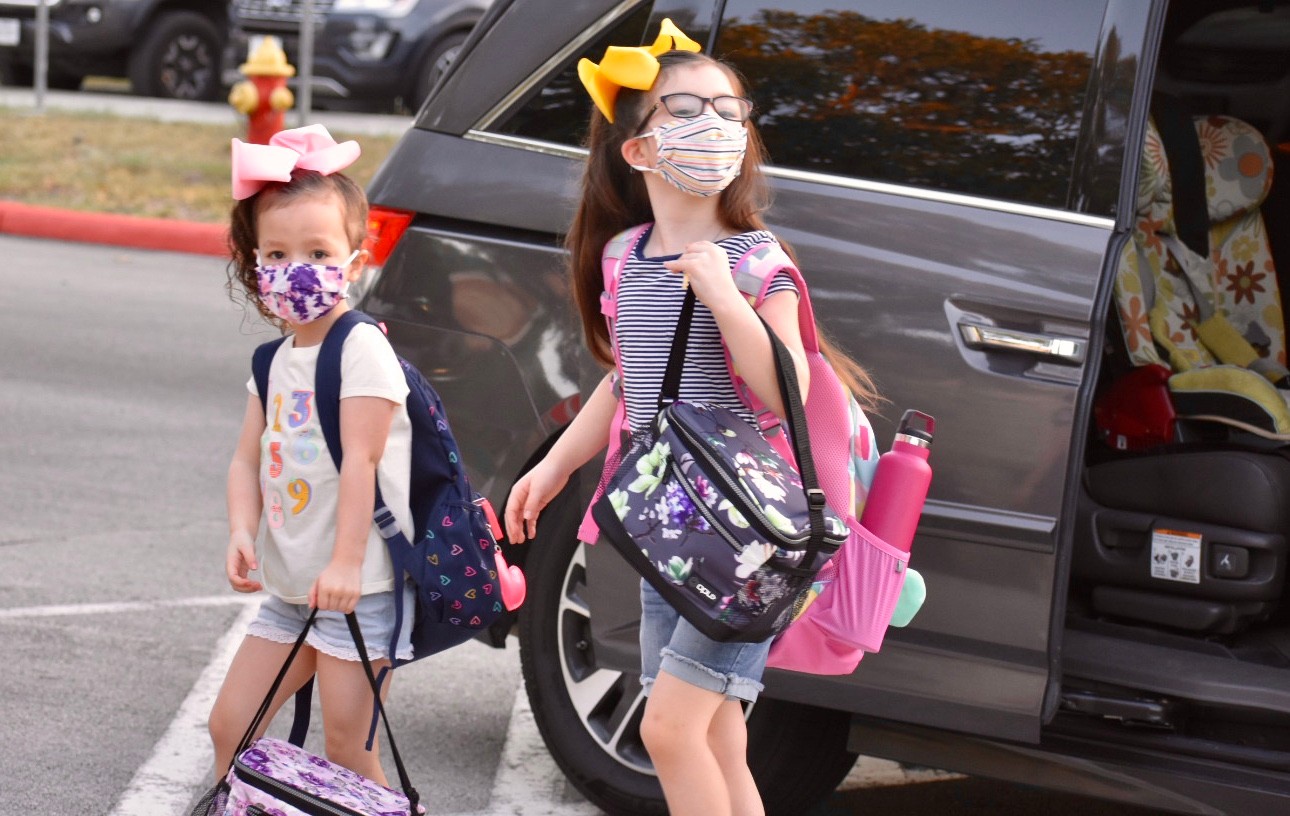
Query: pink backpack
pixel 842 440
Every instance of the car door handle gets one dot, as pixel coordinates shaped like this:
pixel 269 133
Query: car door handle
pixel 993 338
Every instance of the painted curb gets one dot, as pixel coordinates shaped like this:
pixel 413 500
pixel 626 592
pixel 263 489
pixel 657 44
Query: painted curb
pixel 117 230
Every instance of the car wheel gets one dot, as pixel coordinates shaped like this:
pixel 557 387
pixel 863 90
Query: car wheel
pixel 590 717
pixel 435 65
pixel 179 58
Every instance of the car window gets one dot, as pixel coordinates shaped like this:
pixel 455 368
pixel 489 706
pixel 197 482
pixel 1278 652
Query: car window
pixel 559 110
pixel 969 97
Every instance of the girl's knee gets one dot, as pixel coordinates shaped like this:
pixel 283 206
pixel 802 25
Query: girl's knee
pixel 665 732
pixel 224 731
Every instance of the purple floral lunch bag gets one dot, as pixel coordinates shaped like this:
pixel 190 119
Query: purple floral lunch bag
pixel 270 777
pixel 276 778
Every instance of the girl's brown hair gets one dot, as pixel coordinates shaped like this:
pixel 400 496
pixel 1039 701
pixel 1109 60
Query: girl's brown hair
pixel 614 198
pixel 243 236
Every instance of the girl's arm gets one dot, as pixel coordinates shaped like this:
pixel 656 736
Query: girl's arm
pixel 244 500
pixel 364 427
pixel 584 438
pixel 707 268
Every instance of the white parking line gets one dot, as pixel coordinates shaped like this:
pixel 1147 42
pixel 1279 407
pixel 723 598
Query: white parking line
pixel 164 785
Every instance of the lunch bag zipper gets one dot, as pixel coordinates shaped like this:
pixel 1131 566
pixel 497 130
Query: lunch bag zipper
pixel 290 795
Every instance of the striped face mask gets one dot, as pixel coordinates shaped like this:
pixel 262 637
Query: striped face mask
pixel 701 155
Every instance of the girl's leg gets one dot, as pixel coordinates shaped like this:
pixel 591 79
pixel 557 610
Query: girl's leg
pixel 678 719
pixel 249 677
pixel 346 699
pixel 728 739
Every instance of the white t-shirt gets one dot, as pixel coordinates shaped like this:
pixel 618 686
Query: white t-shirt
pixel 299 481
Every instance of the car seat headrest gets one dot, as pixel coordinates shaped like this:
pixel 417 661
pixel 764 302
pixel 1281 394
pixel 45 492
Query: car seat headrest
pixel 1153 181
pixel 1238 166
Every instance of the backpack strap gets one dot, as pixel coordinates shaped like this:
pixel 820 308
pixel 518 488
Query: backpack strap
pixel 327 381
pixel 753 274
pixel 613 260
pixel 261 362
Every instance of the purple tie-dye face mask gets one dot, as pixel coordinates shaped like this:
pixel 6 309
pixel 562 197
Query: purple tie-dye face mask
pixel 302 292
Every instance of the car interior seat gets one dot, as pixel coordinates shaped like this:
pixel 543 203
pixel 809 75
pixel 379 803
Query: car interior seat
pixel 1197 290
pixel 1183 530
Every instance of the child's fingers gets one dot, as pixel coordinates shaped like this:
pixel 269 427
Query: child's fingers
pixel 532 508
pixel 514 511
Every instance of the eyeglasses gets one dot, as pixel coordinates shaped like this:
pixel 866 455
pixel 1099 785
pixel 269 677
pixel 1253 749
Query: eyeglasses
pixel 688 106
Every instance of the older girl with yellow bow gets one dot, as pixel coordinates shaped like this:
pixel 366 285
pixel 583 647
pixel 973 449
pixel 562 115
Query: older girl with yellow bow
pixel 671 144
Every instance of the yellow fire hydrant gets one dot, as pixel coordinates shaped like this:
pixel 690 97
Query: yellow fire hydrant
pixel 263 97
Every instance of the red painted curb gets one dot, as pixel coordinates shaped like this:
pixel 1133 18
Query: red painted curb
pixel 109 228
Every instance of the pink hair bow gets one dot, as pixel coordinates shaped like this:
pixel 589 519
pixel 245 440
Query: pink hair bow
pixel 308 148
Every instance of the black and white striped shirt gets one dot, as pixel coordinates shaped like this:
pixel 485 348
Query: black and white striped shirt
pixel 649 305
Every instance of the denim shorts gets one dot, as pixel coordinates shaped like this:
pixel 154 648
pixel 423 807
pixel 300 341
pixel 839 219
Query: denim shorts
pixel 671 643
pixel 281 622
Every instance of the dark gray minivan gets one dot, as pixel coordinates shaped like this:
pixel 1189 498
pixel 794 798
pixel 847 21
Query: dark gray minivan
pixel 988 200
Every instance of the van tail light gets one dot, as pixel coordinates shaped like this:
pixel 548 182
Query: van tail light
pixel 385 227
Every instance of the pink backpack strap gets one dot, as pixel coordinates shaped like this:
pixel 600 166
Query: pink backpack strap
pixel 613 260
pixel 753 273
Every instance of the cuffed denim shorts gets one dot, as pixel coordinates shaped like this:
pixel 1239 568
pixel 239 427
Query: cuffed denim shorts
pixel 671 643
pixel 281 622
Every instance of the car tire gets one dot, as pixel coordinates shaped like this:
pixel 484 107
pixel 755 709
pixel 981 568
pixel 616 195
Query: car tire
pixel 434 65
pixel 178 58
pixel 590 716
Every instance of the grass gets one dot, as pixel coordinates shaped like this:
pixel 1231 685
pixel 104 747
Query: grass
pixel 107 163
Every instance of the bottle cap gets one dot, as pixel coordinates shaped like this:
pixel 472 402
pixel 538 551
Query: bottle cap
pixel 918 425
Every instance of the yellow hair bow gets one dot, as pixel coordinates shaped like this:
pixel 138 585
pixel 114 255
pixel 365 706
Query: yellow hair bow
pixel 630 67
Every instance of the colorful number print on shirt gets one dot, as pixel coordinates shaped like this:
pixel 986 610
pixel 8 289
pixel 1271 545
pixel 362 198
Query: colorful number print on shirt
pixel 289 439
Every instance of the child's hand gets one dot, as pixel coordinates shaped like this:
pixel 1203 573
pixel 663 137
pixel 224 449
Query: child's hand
pixel 240 560
pixel 530 494
pixel 706 267
pixel 338 587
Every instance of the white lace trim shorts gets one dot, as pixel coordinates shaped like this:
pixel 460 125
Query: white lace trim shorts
pixel 281 622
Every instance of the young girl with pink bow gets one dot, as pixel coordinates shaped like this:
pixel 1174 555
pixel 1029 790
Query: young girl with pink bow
pixel 296 237
pixel 671 143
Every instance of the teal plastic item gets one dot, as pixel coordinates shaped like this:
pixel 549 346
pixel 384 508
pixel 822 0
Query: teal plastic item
pixel 912 595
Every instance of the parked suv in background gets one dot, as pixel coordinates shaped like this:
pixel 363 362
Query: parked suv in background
pixel 369 54
pixel 973 189
pixel 167 48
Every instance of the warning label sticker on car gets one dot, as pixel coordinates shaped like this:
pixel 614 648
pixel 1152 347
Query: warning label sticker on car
pixel 1175 556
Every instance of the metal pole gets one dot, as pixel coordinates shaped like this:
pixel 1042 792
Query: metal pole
pixel 306 60
pixel 41 79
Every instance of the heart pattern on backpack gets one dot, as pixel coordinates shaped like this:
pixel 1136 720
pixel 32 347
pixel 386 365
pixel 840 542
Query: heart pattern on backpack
pixel 469 578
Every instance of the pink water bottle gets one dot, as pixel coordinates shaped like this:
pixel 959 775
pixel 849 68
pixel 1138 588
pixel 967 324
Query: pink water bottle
pixel 900 483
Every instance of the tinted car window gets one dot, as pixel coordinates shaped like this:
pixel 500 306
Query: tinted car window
pixel 559 111
pixel 974 98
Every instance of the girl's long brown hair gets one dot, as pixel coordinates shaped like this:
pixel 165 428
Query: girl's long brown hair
pixel 614 198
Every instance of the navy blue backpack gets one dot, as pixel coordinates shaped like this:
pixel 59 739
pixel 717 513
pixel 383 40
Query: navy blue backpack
pixel 453 555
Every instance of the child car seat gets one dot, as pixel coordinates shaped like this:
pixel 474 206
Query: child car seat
pixel 1207 306
pixel 1193 537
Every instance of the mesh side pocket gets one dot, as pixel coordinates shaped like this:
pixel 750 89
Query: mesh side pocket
pixel 214 802
pixel 631 444
pixel 858 606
